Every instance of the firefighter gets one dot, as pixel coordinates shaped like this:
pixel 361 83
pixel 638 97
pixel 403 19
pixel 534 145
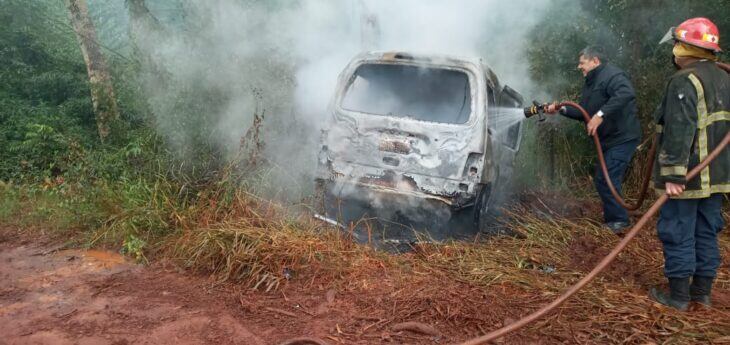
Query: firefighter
pixel 692 119
pixel 610 98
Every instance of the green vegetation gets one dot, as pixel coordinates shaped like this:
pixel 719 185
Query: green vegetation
pixel 160 176
pixel 629 32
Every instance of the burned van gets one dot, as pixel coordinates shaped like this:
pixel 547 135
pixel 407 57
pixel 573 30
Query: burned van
pixel 410 141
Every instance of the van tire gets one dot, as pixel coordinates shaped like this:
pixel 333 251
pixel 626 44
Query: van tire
pixel 483 216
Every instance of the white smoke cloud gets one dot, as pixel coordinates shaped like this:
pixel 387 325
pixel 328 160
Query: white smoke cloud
pixel 333 30
pixel 292 51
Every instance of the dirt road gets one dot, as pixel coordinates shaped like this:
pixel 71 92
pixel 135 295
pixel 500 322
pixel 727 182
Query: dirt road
pixel 96 297
pixel 50 296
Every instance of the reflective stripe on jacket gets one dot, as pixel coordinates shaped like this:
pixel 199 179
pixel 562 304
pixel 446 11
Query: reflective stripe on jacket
pixel 693 118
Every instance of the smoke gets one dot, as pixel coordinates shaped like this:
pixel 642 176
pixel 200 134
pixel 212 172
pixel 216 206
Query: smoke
pixel 495 30
pixel 208 66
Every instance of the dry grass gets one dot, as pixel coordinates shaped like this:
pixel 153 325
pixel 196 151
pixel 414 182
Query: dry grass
pixel 262 245
pixel 266 246
pixel 612 309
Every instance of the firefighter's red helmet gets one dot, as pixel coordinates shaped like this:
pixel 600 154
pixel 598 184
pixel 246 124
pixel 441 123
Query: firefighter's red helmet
pixel 699 32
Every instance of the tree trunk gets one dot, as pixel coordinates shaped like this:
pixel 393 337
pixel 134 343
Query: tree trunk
pixel 102 91
pixel 142 21
pixel 146 32
pixel 369 28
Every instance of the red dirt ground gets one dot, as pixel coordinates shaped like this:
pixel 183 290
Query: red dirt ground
pixel 96 297
pixel 50 296
pixel 550 204
pixel 72 297
pixel 587 252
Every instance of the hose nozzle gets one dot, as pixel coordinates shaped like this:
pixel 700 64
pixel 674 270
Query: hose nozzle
pixel 536 109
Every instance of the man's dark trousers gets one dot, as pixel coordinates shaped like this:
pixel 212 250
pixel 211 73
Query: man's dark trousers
pixel 617 160
pixel 688 228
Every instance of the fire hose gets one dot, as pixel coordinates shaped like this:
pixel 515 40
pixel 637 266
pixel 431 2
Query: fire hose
pixel 538 109
pixel 602 161
pixel 507 329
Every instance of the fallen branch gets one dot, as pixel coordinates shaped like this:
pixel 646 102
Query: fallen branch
pixel 100 290
pixel 67 314
pixel 366 318
pixel 378 323
pixel 281 311
pixel 50 251
pixel 416 327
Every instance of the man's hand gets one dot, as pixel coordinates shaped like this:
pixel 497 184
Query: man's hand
pixel 593 124
pixel 674 189
pixel 552 108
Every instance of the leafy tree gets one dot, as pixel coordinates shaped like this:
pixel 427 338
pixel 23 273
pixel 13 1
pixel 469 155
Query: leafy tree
pixel 44 93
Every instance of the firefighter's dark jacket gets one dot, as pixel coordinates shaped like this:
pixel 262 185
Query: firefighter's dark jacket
pixel 608 89
pixel 692 119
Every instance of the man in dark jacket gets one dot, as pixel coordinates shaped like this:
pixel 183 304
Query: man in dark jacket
pixel 610 98
pixel 692 120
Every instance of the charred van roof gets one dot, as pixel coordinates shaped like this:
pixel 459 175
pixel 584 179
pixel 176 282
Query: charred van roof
pixel 416 57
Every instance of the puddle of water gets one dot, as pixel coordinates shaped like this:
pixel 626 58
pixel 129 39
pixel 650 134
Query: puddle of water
pixel 107 258
pixel 96 258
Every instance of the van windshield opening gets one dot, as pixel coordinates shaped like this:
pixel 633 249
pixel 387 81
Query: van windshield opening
pixel 420 93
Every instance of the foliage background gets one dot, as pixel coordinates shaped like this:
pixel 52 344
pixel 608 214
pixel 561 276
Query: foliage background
pixel 629 32
pixel 166 155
